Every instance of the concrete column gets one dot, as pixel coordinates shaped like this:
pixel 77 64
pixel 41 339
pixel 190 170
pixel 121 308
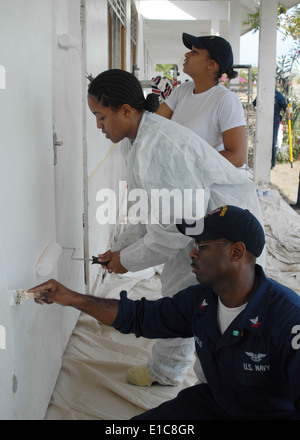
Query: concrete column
pixel 234 28
pixel 215 25
pixel 265 91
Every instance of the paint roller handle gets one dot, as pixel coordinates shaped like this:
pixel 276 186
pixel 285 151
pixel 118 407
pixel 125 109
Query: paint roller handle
pixel 95 261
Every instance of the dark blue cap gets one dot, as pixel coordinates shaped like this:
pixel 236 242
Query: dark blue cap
pixel 218 47
pixel 230 222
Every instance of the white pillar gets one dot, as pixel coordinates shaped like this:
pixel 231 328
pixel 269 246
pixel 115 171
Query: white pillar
pixel 215 25
pixel 265 90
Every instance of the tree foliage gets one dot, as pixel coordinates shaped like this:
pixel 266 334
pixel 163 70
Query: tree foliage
pixel 291 24
pixel 288 21
pixel 167 70
pixel 284 69
pixel 284 82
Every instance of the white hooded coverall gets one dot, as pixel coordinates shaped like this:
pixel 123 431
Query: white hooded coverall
pixel 166 155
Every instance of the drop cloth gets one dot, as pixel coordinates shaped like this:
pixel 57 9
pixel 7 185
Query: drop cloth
pixel 91 384
pixel 282 229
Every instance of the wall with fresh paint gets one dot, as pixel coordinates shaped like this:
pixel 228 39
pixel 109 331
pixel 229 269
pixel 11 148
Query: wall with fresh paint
pixel 35 335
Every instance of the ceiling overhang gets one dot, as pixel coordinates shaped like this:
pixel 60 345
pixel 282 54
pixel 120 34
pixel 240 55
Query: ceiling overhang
pixel 164 37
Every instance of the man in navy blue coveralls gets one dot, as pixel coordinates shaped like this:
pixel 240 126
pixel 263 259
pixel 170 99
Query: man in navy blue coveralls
pixel 246 327
pixel 279 104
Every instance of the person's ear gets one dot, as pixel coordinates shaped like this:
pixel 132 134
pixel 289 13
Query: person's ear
pixel 212 65
pixel 126 110
pixel 238 250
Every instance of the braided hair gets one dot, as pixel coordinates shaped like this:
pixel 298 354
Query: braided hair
pixel 231 74
pixel 116 87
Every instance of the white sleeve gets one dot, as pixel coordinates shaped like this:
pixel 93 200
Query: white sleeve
pixel 159 245
pixel 130 235
pixel 176 96
pixel 172 100
pixel 230 112
pixel 162 165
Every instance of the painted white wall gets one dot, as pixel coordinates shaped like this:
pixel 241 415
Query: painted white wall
pixel 36 336
pixel 67 115
pixel 7 399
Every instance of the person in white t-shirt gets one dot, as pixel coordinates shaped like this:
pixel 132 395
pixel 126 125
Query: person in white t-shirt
pixel 206 106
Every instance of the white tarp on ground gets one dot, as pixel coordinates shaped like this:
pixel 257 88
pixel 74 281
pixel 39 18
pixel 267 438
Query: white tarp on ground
pixel 282 229
pixel 91 384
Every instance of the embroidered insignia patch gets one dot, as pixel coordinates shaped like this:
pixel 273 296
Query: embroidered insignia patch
pixel 255 322
pixel 203 304
pixel 255 357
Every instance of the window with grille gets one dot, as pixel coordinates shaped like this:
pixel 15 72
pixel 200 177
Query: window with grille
pixel 133 35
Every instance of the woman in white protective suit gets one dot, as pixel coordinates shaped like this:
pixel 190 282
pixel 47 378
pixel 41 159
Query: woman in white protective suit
pixel 162 155
pixel 204 105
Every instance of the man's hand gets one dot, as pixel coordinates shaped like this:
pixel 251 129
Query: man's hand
pixel 114 263
pixel 53 292
pixel 104 310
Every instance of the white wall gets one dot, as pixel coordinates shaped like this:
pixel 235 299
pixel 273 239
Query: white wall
pixel 67 115
pixel 35 335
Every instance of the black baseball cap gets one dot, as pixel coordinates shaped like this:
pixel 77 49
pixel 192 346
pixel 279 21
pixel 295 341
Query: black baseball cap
pixel 230 222
pixel 218 47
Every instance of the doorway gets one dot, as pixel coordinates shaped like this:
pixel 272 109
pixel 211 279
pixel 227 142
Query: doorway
pixel 68 134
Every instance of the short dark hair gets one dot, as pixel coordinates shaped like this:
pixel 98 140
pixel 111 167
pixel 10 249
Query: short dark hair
pixel 116 87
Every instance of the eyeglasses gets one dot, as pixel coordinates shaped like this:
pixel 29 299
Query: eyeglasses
pixel 199 246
